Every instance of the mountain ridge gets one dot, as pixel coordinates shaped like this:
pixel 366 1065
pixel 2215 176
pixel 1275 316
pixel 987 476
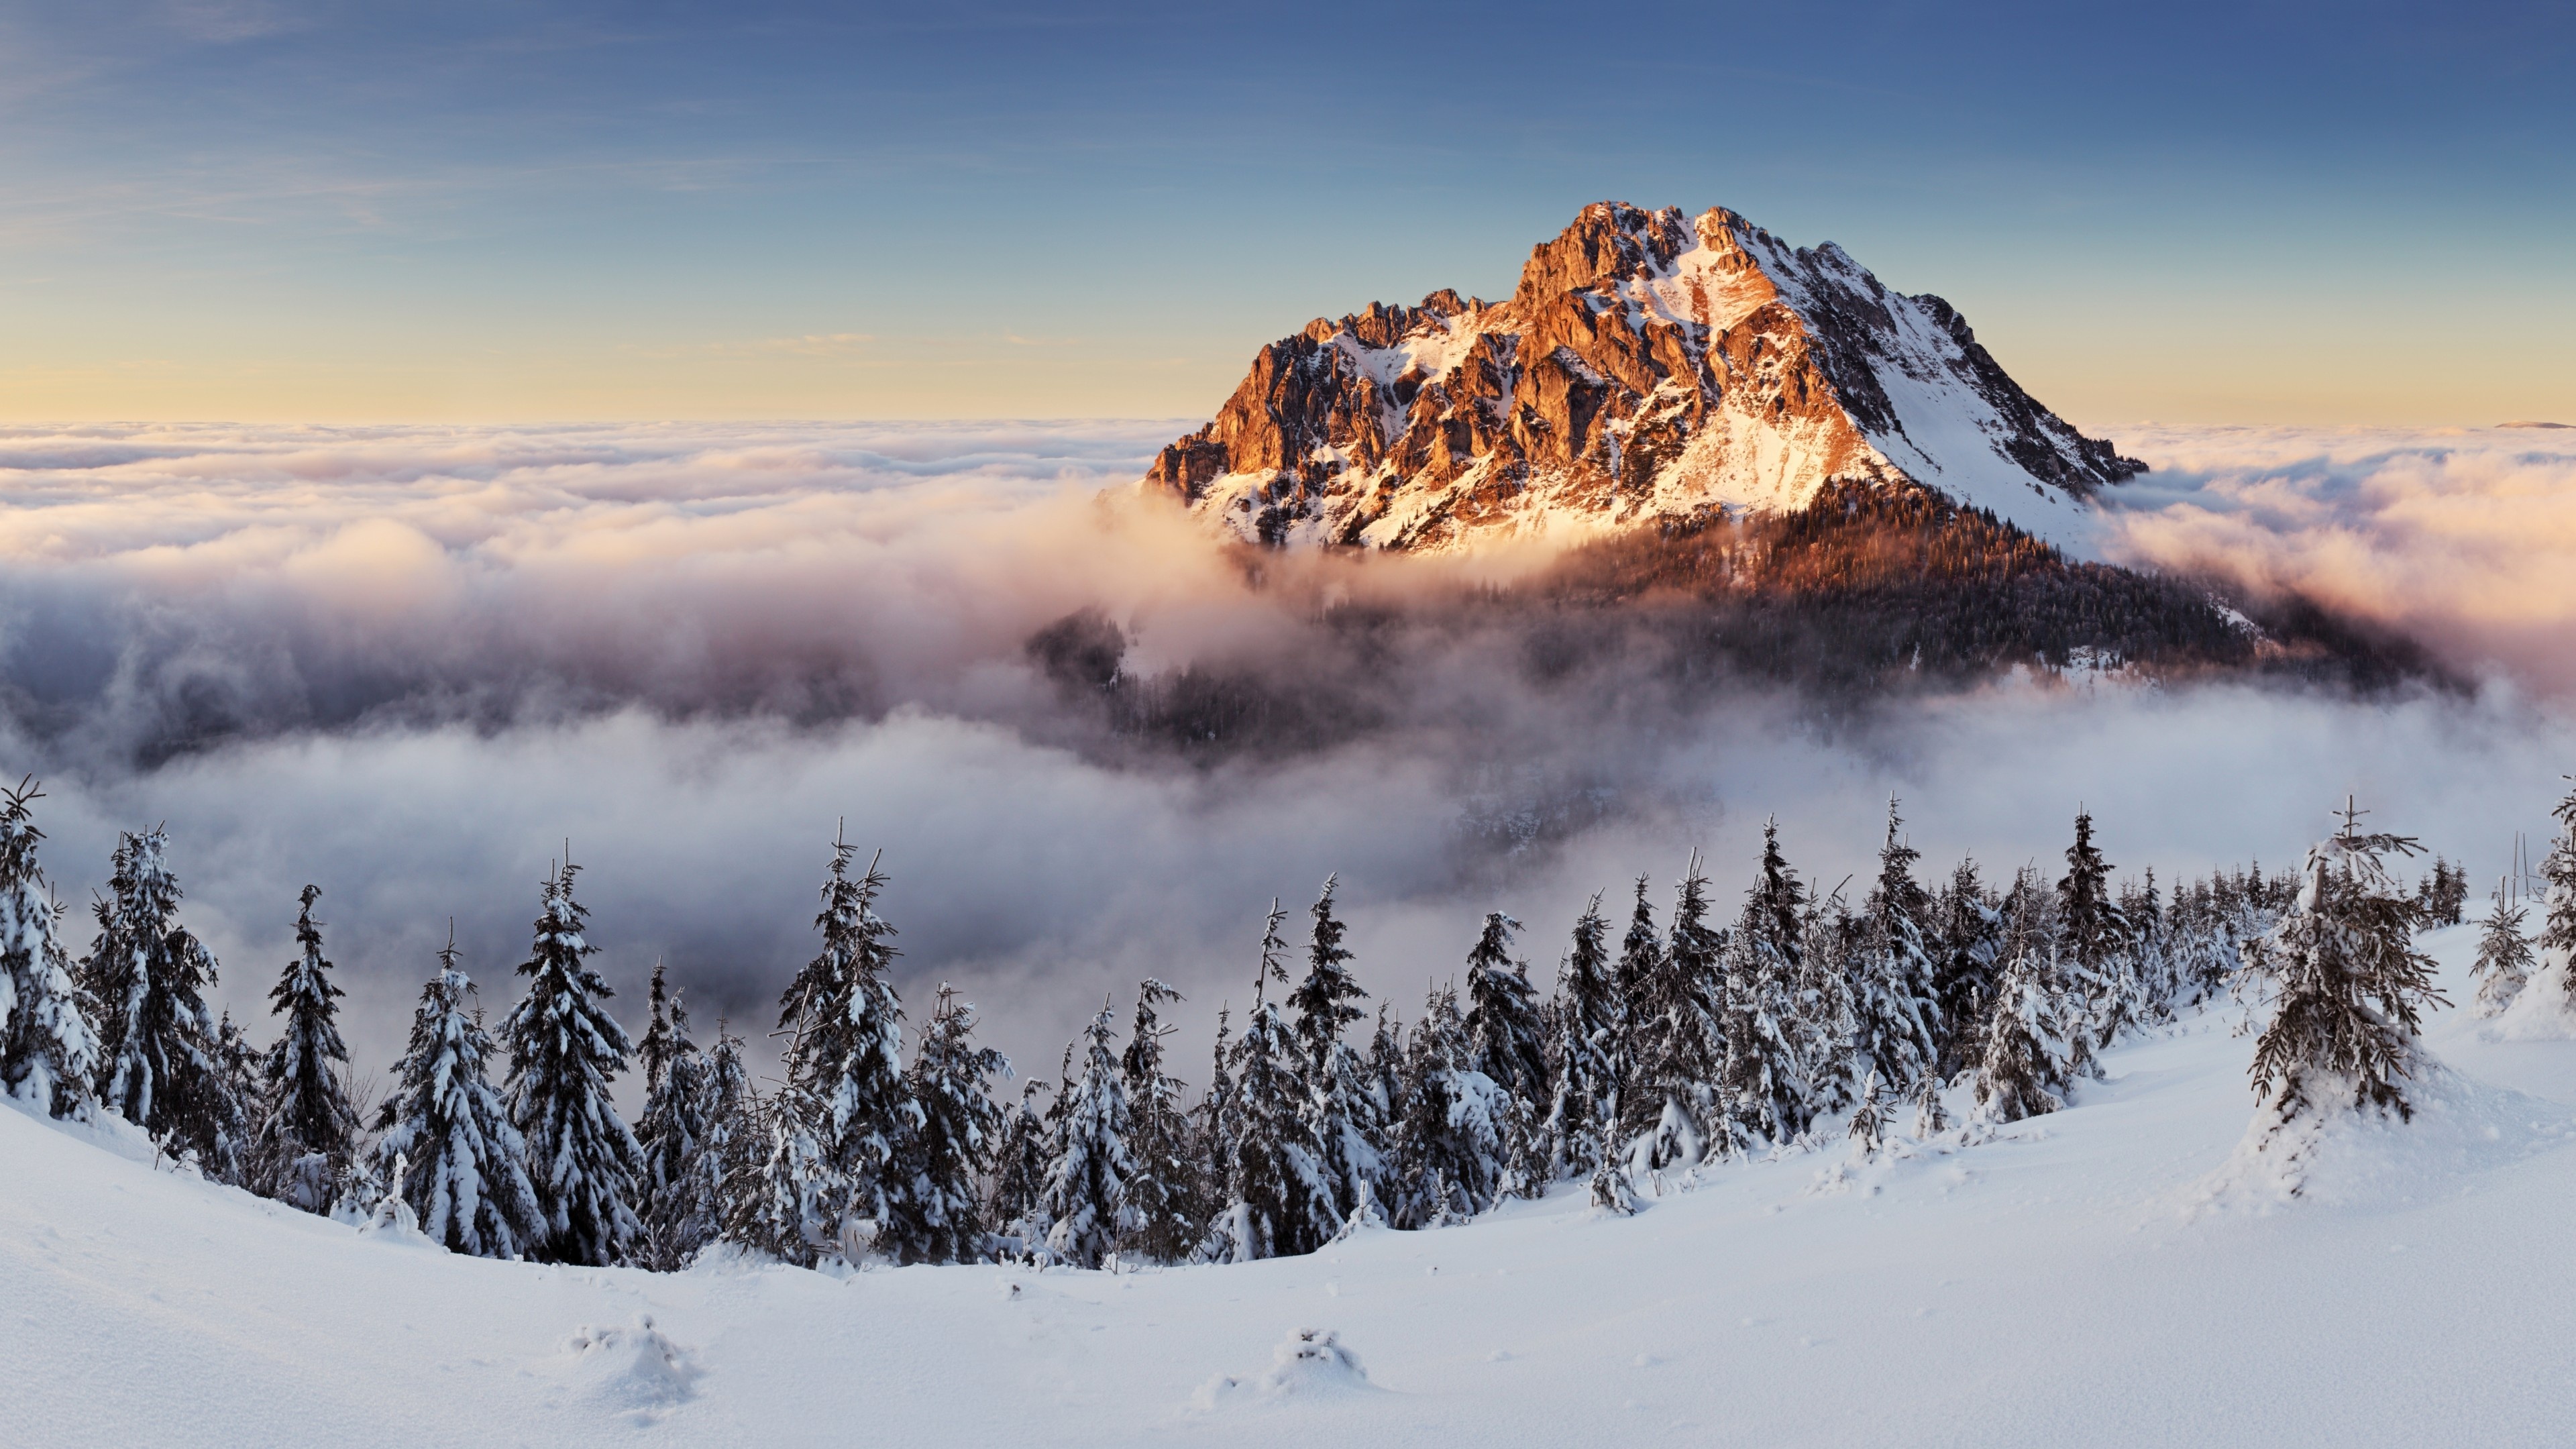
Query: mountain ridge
pixel 1647 366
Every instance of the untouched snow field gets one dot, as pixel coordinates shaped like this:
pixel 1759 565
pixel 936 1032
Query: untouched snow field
pixel 2066 1282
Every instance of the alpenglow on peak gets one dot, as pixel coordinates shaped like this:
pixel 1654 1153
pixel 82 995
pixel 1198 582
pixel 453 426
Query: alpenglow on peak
pixel 1649 365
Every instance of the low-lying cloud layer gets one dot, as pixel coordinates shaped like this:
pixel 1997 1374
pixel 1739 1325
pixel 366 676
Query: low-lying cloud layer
pixel 2460 538
pixel 420 660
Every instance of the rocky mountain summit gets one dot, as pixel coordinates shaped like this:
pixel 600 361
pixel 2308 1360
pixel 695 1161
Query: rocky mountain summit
pixel 1648 366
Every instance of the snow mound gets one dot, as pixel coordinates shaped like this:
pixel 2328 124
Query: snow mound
pixel 631 1371
pixel 1309 1364
pixel 731 1260
pixel 394 1223
pixel 2360 1158
pixel 2538 1013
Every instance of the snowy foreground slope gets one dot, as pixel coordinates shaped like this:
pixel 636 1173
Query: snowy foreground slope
pixel 2066 1282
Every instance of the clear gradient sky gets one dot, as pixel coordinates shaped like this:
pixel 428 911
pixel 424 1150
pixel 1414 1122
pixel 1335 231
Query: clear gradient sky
pixel 271 210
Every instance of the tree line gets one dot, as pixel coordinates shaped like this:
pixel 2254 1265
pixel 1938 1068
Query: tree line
pixel 1677 1041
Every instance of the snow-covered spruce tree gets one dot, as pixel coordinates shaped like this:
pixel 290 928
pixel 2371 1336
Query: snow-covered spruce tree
pixel 1968 940
pixel 1086 1186
pixel 1212 1122
pixel 2444 893
pixel 159 1066
pixel 1825 1016
pixel 1678 1044
pixel 1342 1117
pixel 845 1047
pixel 1764 1080
pixel 2505 962
pixel 1278 1203
pixel 2026 1047
pixel 245 1101
pixel 2150 949
pixel 1584 1112
pixel 463 1167
pixel 653 1050
pixel 938 1219
pixel 671 1134
pixel 778 1198
pixel 2558 868
pixel 2349 984
pixel 1385 1068
pixel 1896 1007
pixel 2094 940
pixel 565 1049
pixel 49 1054
pixel 1869 1119
pixel 1504 1034
pixel 1452 1147
pixel 689 1213
pixel 1014 1210
pixel 305 1141
pixel 1507 1035
pixel 1164 1192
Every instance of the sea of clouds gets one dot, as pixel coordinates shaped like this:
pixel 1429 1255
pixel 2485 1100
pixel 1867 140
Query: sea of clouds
pixel 410 664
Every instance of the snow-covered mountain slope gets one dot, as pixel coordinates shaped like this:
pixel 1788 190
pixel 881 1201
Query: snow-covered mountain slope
pixel 1648 365
pixel 2065 1282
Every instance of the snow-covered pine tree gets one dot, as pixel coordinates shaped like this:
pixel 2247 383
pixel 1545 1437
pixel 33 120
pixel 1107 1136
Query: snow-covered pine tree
pixel 49 1053
pixel 1452 1147
pixel 1504 1034
pixel 2453 895
pixel 1968 938
pixel 653 1050
pixel 1930 1117
pixel 1086 1186
pixel 1163 1192
pixel 1764 1080
pixel 845 1051
pixel 1896 1009
pixel 2095 940
pixel 2150 949
pixel 938 1218
pixel 1342 1120
pixel 1212 1122
pixel 1385 1067
pixel 1678 1043
pixel 1015 1208
pixel 2026 1048
pixel 2558 868
pixel 1584 1111
pixel 1825 997
pixel 690 1213
pixel 1869 1119
pixel 1507 1034
pixel 2505 962
pixel 565 1049
pixel 1278 1203
pixel 159 1063
pixel 672 1132
pixel 305 1141
pixel 244 1101
pixel 2349 985
pixel 2443 893
pixel 463 1166
pixel 778 1198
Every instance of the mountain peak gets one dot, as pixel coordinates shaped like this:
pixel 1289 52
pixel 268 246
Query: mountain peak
pixel 1648 365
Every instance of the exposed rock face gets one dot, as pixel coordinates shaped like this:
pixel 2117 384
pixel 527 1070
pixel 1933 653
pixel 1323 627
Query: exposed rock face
pixel 1648 365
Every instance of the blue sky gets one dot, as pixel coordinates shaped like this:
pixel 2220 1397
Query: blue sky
pixel 481 211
